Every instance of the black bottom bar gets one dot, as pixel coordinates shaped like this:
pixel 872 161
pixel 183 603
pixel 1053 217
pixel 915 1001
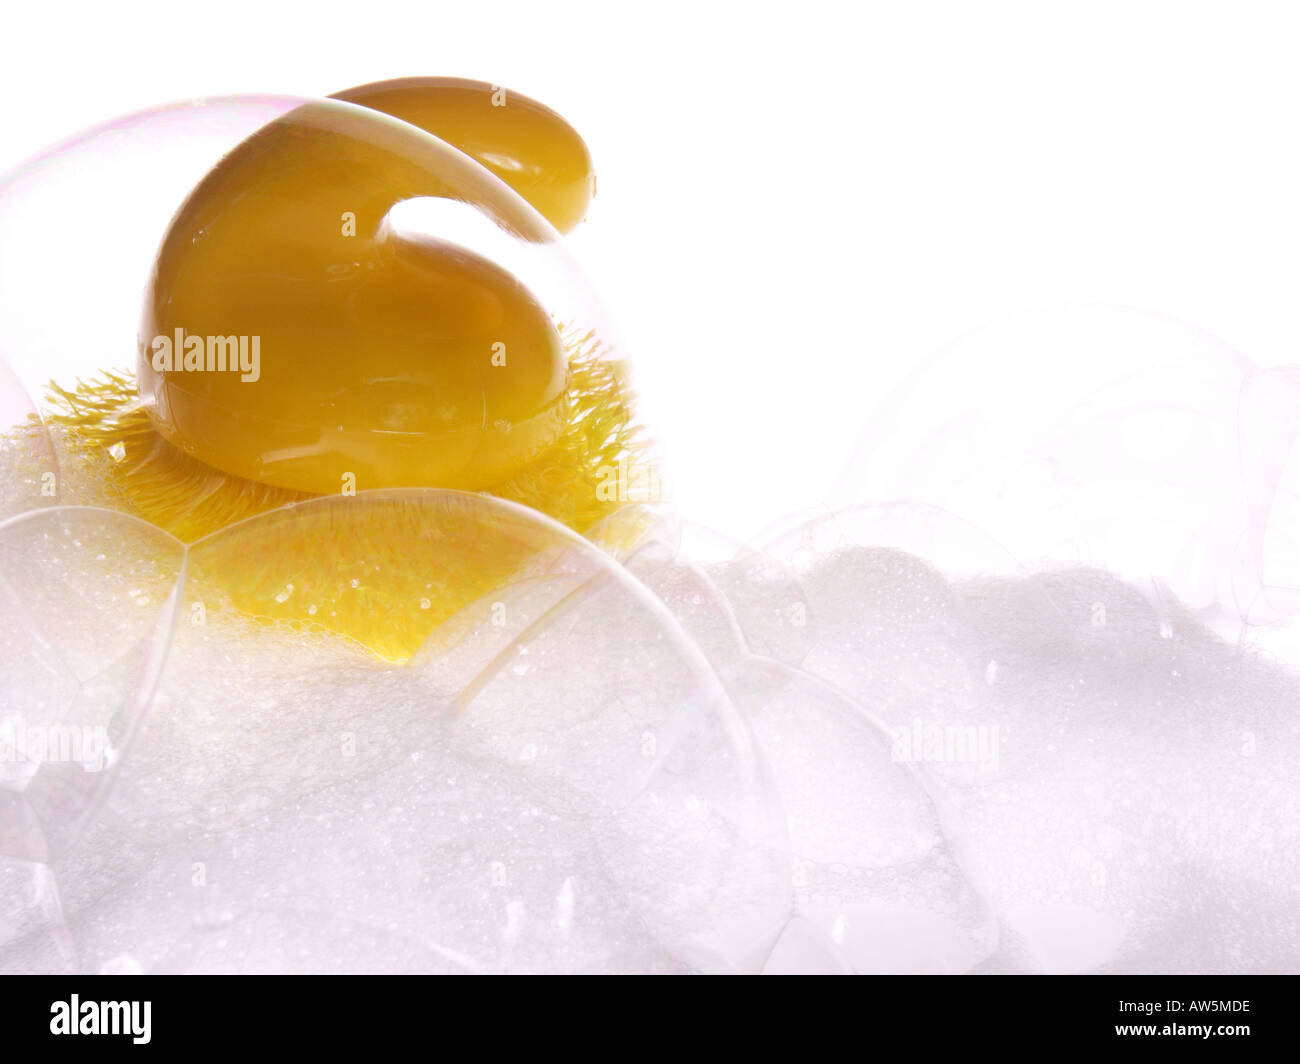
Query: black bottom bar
pixel 453 1015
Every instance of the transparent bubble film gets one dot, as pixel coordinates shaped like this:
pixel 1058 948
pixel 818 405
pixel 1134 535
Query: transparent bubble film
pixel 347 628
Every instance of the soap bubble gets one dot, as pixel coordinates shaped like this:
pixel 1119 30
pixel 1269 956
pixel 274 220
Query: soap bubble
pixel 875 879
pixel 87 602
pixel 734 599
pixel 887 587
pixel 876 849
pixel 1267 580
pixel 1096 437
pixel 683 781
pixel 81 225
pixel 536 754
pixel 873 863
pixel 29 468
pixel 1077 734
pixel 929 532
pixel 445 718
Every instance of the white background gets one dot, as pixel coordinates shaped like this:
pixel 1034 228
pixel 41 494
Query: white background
pixel 799 202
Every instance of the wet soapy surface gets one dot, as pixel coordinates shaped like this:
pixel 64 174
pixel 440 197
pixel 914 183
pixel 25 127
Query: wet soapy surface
pixel 565 793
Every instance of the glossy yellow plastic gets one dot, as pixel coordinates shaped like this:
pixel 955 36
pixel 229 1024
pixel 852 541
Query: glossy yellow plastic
pixel 292 337
pixel 526 144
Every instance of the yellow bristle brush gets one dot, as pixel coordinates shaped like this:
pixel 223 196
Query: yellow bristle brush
pixel 351 357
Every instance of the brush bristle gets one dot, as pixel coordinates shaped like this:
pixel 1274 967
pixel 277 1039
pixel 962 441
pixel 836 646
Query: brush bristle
pixel 106 429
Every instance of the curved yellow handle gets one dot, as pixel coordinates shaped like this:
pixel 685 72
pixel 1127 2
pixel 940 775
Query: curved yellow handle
pixel 526 144
pixel 290 338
